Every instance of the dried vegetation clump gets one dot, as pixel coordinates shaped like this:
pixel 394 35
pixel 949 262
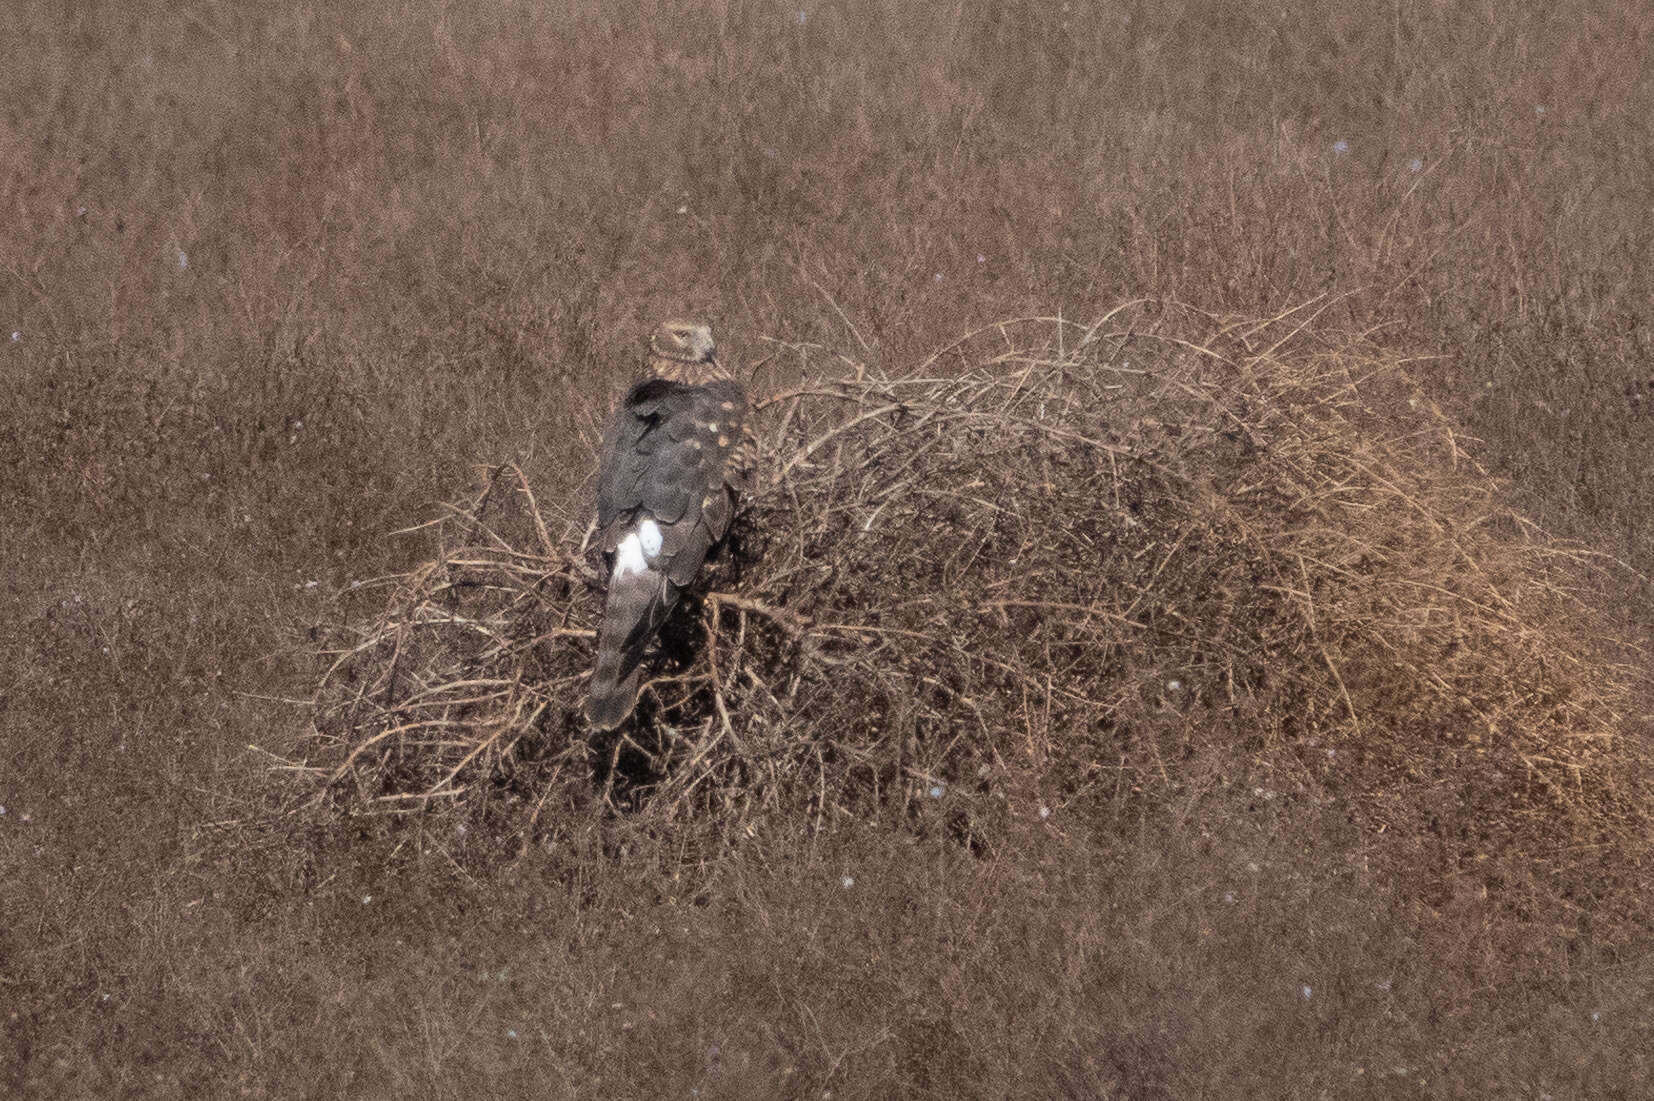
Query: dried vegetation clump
pixel 1161 559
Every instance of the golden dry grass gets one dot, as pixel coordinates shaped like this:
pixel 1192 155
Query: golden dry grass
pixel 282 276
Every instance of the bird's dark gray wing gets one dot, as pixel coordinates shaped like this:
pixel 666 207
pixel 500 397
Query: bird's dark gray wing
pixel 666 458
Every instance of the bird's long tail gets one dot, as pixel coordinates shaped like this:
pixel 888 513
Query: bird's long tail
pixel 637 604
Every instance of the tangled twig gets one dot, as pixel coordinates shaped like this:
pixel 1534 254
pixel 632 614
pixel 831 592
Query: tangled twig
pixel 1050 546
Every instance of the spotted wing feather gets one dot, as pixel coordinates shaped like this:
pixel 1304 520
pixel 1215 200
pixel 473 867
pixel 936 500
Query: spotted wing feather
pixel 666 458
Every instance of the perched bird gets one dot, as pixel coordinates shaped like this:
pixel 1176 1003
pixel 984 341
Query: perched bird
pixel 673 463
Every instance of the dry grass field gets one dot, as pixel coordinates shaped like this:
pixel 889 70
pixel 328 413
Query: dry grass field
pixel 1230 682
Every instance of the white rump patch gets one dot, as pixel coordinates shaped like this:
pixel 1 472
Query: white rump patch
pixel 649 536
pixel 629 556
pixel 637 549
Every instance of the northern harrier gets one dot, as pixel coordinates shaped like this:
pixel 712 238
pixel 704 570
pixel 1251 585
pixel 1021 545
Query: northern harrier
pixel 671 467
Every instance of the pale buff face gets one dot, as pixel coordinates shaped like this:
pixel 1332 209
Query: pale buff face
pixel 684 341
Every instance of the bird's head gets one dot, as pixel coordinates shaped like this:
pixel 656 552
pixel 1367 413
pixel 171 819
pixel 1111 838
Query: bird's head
pixel 683 342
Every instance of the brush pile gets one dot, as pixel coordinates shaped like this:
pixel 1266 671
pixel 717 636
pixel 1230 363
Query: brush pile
pixel 1159 560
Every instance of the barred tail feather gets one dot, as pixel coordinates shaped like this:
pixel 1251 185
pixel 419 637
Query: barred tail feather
pixel 637 603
